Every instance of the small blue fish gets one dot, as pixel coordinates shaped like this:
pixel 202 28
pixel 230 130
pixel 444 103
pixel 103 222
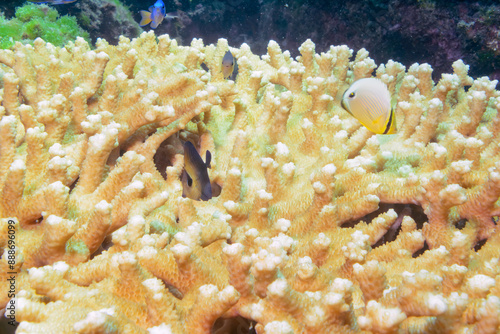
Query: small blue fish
pixel 227 65
pixel 52 2
pixel 155 15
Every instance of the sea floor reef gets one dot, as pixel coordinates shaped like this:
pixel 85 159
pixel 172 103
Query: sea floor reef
pixel 317 225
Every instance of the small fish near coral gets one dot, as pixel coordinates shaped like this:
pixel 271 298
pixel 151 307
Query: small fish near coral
pixel 369 101
pixel 195 180
pixel 53 2
pixel 228 65
pixel 155 15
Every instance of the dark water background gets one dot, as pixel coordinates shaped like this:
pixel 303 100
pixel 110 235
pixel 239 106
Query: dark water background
pixel 423 31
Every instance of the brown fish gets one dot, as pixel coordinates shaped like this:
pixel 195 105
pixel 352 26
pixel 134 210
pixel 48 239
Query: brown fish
pixel 195 180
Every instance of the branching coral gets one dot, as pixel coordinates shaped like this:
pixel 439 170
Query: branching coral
pixel 317 227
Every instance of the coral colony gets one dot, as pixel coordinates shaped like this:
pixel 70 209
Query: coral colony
pixel 316 224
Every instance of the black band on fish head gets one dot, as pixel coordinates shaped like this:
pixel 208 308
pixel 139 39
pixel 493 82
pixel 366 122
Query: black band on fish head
pixel 342 103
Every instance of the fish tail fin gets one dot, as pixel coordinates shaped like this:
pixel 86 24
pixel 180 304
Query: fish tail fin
pixel 145 17
pixel 391 125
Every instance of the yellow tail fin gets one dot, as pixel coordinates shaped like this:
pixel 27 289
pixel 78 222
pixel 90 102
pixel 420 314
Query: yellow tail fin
pixel 146 17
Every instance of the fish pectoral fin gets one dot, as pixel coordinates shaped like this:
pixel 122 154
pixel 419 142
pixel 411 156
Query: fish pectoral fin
pixel 172 15
pixel 377 121
pixel 154 24
pixel 208 158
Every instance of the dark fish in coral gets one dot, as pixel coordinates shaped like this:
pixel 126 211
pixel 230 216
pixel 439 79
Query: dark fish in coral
pixel 228 65
pixel 155 15
pixel 369 101
pixel 53 2
pixel 195 180
pixel 204 67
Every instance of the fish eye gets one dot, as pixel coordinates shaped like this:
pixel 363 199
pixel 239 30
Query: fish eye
pixel 351 95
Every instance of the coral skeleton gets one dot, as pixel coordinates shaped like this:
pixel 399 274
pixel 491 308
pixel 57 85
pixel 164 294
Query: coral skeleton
pixel 317 225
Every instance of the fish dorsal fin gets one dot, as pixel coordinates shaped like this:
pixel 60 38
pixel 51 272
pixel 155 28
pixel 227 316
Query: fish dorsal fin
pixel 151 8
pixel 208 159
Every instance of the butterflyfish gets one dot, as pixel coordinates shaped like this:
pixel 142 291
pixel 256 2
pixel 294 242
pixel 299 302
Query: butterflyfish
pixel 227 65
pixel 155 15
pixel 369 101
pixel 195 180
pixel 53 2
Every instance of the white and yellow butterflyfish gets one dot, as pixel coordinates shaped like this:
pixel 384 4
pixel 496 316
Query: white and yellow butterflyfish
pixel 369 101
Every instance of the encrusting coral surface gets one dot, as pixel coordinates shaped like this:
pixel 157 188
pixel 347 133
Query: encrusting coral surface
pixel 317 225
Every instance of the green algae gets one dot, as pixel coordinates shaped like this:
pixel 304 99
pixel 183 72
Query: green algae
pixel 32 21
